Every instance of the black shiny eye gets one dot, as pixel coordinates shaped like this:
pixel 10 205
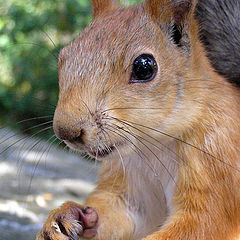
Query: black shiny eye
pixel 144 69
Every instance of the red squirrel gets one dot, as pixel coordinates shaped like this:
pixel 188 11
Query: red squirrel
pixel 138 91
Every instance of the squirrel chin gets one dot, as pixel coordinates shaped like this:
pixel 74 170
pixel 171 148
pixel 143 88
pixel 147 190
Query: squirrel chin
pixel 100 154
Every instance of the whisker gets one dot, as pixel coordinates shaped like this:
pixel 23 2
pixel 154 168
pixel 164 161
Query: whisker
pixel 128 140
pixel 37 164
pixel 34 118
pixel 163 145
pixel 97 150
pixel 121 158
pixel 122 163
pixel 25 130
pixel 123 167
pixel 65 147
pixel 21 158
pixel 129 108
pixel 154 154
pixel 184 163
pixel 175 138
pixel 27 138
pixel 47 35
pixel 149 164
pixel 19 140
pixel 85 104
pixel 49 148
pixel 34 44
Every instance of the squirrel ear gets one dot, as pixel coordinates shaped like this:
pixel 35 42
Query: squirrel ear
pixel 167 10
pixel 176 17
pixel 99 6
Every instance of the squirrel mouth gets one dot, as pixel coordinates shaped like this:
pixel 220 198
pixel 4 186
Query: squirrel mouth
pixel 99 153
pixel 102 152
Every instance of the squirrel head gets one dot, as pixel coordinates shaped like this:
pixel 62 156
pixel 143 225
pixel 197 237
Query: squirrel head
pixel 131 67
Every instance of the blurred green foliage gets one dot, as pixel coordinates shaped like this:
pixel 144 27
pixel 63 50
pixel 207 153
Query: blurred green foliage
pixel 31 34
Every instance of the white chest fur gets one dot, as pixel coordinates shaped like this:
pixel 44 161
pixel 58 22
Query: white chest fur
pixel 152 178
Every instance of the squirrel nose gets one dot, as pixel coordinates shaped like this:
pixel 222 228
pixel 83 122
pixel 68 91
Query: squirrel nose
pixel 67 134
pixel 78 139
pixel 68 130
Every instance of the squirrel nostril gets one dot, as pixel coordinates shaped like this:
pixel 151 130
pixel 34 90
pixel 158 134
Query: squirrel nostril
pixel 69 134
pixel 77 139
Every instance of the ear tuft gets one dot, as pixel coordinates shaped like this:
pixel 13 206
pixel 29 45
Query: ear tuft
pixel 100 6
pixel 166 10
pixel 175 17
pixel 181 10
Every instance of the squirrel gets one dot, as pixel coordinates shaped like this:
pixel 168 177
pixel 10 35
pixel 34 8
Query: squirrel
pixel 143 89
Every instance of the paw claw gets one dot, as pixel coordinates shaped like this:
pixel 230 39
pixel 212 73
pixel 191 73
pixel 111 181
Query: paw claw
pixel 55 226
pixel 70 222
pixel 85 209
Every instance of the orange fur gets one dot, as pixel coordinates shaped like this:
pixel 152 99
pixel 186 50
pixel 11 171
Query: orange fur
pixel 100 6
pixel 187 100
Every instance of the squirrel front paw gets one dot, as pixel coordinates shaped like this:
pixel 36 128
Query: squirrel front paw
pixel 70 222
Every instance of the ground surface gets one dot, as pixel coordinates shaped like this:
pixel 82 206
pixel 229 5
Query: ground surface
pixel 34 180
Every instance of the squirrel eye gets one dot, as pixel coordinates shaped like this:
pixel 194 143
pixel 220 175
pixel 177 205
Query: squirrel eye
pixel 144 69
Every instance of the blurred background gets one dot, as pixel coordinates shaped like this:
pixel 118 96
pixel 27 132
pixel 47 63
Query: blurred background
pixel 31 35
pixel 36 173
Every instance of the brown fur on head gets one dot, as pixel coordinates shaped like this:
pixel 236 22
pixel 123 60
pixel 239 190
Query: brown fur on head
pixel 102 6
pixel 95 71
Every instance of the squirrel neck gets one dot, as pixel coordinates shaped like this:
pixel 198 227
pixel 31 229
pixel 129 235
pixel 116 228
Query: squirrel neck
pixel 210 149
